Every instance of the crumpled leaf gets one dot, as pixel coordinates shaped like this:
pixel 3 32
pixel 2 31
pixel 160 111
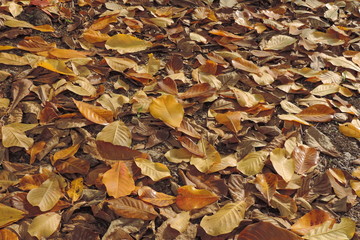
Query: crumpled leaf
pixel 76 189
pixel 124 43
pixel 225 220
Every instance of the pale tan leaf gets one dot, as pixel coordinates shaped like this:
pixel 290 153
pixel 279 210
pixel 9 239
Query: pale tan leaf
pixel 43 226
pixel 178 155
pixel 284 166
pixel 13 59
pixel 285 204
pixel 279 42
pixel 156 171
pixel 9 215
pixel 292 118
pixel 246 99
pixel 46 195
pixel 116 133
pixel 289 107
pixel 343 230
pixel 14 135
pixel 120 64
pixel 124 43
pixel 211 156
pixel 225 220
pixel 180 222
pixel 246 65
pixel 325 89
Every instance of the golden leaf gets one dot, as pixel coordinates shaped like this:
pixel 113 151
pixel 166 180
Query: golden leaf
pixel 124 43
pixel 93 113
pixel 156 171
pixel 167 109
pixel 118 180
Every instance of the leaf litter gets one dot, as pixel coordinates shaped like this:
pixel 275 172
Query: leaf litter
pixel 176 119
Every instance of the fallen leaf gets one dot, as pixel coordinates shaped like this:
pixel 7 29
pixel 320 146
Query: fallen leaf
pixel 349 130
pixel 57 66
pixel 284 166
pixel 190 198
pixel 232 120
pixel 9 215
pixel 124 43
pixel 93 113
pixel 65 153
pixel 317 113
pixel 43 226
pixel 132 208
pixel 76 189
pixel 120 64
pixel 116 133
pixel 266 183
pixel 167 109
pixel 252 163
pixel 159 199
pixel 211 156
pixel 279 42
pixel 180 222
pixel 14 135
pixel 13 59
pixel 311 220
pixel 118 180
pixel 178 155
pixel 156 171
pixel 225 220
pixel 306 158
pixel 7 234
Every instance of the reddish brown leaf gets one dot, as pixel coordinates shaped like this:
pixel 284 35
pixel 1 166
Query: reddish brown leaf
pixel 266 183
pixel 317 113
pixel 159 199
pixel 35 149
pixel 311 220
pixel 190 146
pixel 131 208
pixel 29 182
pixel 168 85
pixel 265 230
pixel 188 129
pixel 305 158
pixel 109 151
pixel 73 165
pixel 203 90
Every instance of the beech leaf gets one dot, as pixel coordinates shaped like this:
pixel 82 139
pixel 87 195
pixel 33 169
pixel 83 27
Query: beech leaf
pixel 116 133
pixel 190 198
pixel 156 171
pixel 118 180
pixel 124 43
pixel 167 109
pixel 93 113
pixel 43 226
pixel 9 215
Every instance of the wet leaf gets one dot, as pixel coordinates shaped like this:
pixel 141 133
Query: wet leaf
pixel 118 180
pixel 190 198
pixel 44 225
pixel 156 171
pixel 167 109
pixel 124 43
pixel 225 220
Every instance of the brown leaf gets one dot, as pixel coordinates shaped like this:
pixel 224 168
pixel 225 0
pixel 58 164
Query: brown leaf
pixel 168 85
pixel 118 180
pixel 311 220
pixel 190 198
pixel 265 230
pixel 203 90
pixel 231 120
pixel 19 90
pixel 109 151
pixel 305 158
pixel 93 113
pixel 317 113
pixel 131 208
pixel 189 145
pixel 266 183
pixel 159 199
pixel 73 165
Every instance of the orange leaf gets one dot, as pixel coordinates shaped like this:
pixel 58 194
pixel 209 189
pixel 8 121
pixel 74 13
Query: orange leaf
pixel 65 153
pixel 67 53
pixel 44 28
pixel 190 198
pixel 35 44
pixel 225 34
pixel 93 113
pixel 231 120
pixel 103 22
pixel 167 109
pixel 132 208
pixel 265 230
pixel 118 180
pixel 311 220
pixel 95 36
pixel 305 158
pixel 35 149
pixel 266 183
pixel 159 199
pixel 7 234
pixel 317 113
pixel 199 90
pixel 29 182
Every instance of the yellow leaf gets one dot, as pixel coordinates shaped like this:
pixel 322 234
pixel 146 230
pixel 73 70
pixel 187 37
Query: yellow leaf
pixel 118 180
pixel 156 171
pixel 57 66
pixel 13 135
pixel 355 185
pixel 13 59
pixel 343 230
pixel 120 64
pixel 2 48
pixel 190 198
pixel 178 155
pixel 85 88
pixel 246 99
pixel 46 195
pixel 167 109
pixel 225 220
pixel 292 118
pixel 44 28
pixel 349 130
pixel 9 215
pixel 252 163
pixel 76 189
pixel 43 226
pixel 116 133
pixel 124 43
pixel 284 166
pixel 211 156
pixel 67 53
pixel 93 113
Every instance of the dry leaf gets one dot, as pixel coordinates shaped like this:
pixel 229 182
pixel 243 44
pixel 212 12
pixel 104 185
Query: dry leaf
pixel 284 166
pixel 232 120
pixel 349 130
pixel 14 135
pixel 306 158
pixel 7 234
pixel 317 113
pixel 190 198
pixel 311 220
pixel 124 43
pixel 252 163
pixel 93 113
pixel 159 199
pixel 211 156
pixel 118 180
pixel 167 109
pixel 76 189
pixel 266 183
pixel 9 215
pixel 43 226
pixel 156 171
pixel 279 42
pixel 116 133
